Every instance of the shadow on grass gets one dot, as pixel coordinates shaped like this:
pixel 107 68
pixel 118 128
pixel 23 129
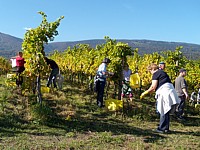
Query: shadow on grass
pixel 191 121
pixel 99 121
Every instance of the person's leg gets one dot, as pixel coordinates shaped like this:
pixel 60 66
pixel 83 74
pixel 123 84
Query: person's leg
pixel 55 73
pixel 181 107
pixel 164 122
pixel 52 76
pixel 100 93
pixel 122 93
pixel 130 93
pixel 50 79
pixel 19 78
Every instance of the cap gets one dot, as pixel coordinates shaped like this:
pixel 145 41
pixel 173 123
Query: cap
pixel 182 70
pixel 106 60
pixel 162 63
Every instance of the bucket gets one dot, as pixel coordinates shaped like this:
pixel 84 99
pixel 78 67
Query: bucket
pixel 113 104
pixel 45 89
pixel 135 80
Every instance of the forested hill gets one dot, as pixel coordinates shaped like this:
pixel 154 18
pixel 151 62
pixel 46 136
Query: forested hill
pixel 9 45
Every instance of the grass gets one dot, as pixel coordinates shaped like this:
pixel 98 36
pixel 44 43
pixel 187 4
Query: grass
pixel 70 119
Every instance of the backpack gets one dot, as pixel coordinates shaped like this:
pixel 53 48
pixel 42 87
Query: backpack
pixel 96 83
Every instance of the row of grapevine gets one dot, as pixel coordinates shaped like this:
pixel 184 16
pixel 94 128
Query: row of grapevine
pixel 84 59
pixel 4 66
pixel 33 49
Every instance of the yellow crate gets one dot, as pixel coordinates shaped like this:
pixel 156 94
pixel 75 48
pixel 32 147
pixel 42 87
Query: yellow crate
pixel 10 75
pixel 10 80
pixel 45 89
pixel 197 107
pixel 135 80
pixel 113 104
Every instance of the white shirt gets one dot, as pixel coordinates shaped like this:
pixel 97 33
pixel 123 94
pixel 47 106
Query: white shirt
pixel 127 74
pixel 101 69
pixel 13 60
pixel 166 97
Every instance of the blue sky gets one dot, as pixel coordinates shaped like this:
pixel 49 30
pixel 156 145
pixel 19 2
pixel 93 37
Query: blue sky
pixel 161 20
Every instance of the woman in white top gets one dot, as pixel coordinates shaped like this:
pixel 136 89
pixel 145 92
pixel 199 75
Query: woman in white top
pixel 126 89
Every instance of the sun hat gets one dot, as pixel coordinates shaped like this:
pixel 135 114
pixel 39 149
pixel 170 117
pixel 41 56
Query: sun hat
pixel 106 60
pixel 162 63
pixel 182 70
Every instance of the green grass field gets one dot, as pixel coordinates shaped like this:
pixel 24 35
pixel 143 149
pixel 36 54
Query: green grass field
pixel 69 119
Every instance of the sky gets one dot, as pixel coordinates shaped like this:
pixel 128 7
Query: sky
pixel 160 20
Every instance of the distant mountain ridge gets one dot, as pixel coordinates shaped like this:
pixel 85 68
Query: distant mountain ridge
pixel 9 45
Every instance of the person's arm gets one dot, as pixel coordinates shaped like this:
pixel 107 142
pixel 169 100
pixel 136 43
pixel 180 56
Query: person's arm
pixel 152 88
pixel 185 92
pixel 184 89
pixel 13 57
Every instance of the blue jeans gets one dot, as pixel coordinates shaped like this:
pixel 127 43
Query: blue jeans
pixel 100 92
pixel 181 106
pixel 164 122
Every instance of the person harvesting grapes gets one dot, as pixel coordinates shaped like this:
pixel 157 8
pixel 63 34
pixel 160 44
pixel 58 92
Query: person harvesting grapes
pixel 126 89
pixel 19 68
pixel 166 96
pixel 101 77
pixel 181 88
pixel 54 72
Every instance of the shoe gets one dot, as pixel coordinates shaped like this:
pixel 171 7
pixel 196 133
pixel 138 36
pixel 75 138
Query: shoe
pixel 180 118
pixel 167 131
pixel 159 131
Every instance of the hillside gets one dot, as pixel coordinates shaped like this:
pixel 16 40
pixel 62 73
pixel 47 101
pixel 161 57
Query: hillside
pixel 9 45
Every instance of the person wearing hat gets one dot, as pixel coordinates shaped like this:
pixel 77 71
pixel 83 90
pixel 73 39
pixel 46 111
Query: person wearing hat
pixel 162 65
pixel 101 77
pixel 181 88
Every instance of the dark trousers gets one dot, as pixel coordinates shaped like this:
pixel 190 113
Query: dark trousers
pixel 181 106
pixel 100 92
pixel 164 122
pixel 19 79
pixel 52 77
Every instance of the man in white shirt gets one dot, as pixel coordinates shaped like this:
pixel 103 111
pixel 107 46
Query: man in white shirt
pixel 102 75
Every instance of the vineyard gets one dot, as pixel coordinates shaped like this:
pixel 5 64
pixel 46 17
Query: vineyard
pixel 68 118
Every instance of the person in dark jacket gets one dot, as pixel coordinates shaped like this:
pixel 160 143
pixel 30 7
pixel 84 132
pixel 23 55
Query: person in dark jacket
pixel 54 72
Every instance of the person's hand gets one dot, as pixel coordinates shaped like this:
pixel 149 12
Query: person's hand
pixel 143 94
